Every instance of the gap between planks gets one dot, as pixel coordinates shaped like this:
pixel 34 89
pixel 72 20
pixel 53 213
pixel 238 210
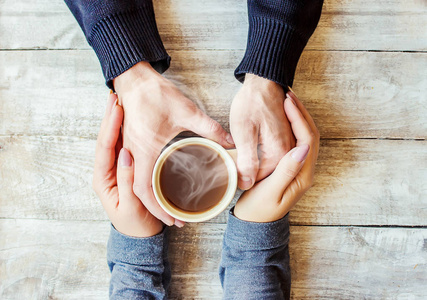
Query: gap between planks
pixel 224 223
pixel 326 263
pixel 219 50
pixel 189 135
pixel 349 94
pixel 356 182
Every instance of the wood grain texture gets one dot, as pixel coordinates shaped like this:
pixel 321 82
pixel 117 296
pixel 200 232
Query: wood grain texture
pixel 38 25
pixel 66 260
pixel 344 25
pixel 358 182
pixel 222 24
pixel 53 230
pixel 349 94
pixel 53 260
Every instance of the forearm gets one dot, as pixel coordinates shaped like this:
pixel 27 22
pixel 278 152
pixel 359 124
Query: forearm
pixel 122 33
pixel 139 266
pixel 255 260
pixel 278 33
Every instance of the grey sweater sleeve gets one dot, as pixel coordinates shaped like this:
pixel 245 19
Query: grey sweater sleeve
pixel 255 260
pixel 139 266
pixel 254 263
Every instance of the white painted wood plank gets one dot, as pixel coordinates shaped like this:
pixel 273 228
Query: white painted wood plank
pixel 375 182
pixel 39 25
pixel 344 25
pixel 222 24
pixel 358 263
pixel 349 94
pixel 358 182
pixel 371 25
pixel 66 260
pixel 51 92
pixel 53 260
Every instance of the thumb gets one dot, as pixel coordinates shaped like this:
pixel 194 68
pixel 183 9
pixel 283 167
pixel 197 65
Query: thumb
pixel 125 173
pixel 207 127
pixel 287 169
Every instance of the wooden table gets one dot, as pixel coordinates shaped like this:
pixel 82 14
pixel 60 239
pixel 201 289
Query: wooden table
pixel 360 232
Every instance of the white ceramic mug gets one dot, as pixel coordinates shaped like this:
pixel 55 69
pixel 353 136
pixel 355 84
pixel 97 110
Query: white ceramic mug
pixel 213 211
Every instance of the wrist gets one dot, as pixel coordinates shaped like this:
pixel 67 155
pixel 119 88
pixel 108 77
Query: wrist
pixel 253 80
pixel 140 72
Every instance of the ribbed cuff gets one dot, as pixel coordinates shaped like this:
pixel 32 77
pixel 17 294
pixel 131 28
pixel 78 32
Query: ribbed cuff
pixel 136 251
pixel 272 51
pixel 124 39
pixel 256 236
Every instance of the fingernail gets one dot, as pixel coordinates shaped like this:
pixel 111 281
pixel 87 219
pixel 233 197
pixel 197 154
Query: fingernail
pixel 246 179
pixel 246 182
pixel 290 89
pixel 114 105
pixel 229 139
pixel 179 223
pixel 291 94
pixel 124 158
pixel 300 153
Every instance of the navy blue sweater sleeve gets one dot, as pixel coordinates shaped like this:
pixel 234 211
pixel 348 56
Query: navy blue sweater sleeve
pixel 278 33
pixel 255 260
pixel 139 266
pixel 122 33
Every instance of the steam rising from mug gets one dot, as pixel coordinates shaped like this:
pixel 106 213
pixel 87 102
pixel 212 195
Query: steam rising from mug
pixel 194 178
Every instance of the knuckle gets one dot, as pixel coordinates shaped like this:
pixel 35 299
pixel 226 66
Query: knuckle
pixel 105 142
pixel 139 190
pixel 291 173
pixel 248 164
pixel 190 109
pixel 313 135
pixel 311 138
pixel 246 172
pixel 316 135
pixel 214 126
pixel 306 184
pixel 126 181
pixel 302 186
pixel 316 132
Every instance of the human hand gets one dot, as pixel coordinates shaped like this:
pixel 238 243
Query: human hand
pixel 113 184
pixel 272 198
pixel 155 112
pixel 260 129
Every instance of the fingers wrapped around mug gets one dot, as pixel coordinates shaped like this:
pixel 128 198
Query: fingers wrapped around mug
pixel 272 198
pixel 114 176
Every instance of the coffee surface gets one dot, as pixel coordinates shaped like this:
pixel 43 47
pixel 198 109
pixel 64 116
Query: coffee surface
pixel 194 178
